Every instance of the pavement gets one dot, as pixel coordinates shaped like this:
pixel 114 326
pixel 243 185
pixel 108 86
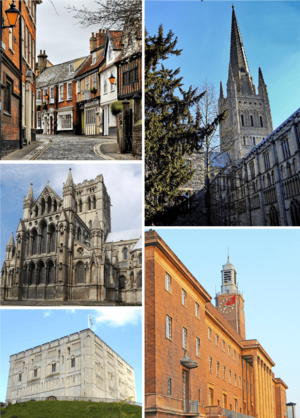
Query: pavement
pixel 60 147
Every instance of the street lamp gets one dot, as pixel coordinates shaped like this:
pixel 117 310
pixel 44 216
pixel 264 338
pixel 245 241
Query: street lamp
pixel 12 16
pixel 291 413
pixel 188 362
pixel 46 96
pixel 112 79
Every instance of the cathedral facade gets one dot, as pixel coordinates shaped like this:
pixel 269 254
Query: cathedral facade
pixel 78 366
pixel 65 250
pixel 200 362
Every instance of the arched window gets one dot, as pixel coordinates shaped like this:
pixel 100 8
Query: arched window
pixel 140 258
pixel 125 254
pixel 73 361
pixel 80 272
pixel 79 233
pixel 295 168
pixel 253 140
pixel 36 211
pixel 251 117
pixel 43 205
pixel 51 273
pixel 34 241
pixel 52 242
pixel 68 351
pixel 274 221
pixel 261 122
pixel 139 279
pixel 242 120
pixel 49 204
pixel 31 274
pixel 94 202
pixel 288 169
pixel 42 273
pixel 282 172
pixel 264 181
pixel 55 205
pixel 80 205
pixel 89 203
pixel 121 282
pixel 90 224
pixel 273 177
pixel 269 179
pixel 44 238
pixel 295 213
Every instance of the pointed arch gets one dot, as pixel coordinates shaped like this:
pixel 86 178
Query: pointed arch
pixel 49 204
pixel 79 233
pixel 274 219
pixel 94 202
pixel 80 272
pixel 122 282
pixel 139 279
pixel 52 240
pixel 36 211
pixel 43 206
pixel 90 224
pixel 51 272
pixel 125 253
pixel 54 205
pixel 89 203
pixel 34 236
pixel 31 273
pixel 295 213
pixel 41 278
pixel 80 206
pixel 43 227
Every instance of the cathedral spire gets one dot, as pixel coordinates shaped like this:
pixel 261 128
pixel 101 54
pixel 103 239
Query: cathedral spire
pixel 238 58
pixel 30 193
pixel 221 91
pixel 69 181
pixel 261 80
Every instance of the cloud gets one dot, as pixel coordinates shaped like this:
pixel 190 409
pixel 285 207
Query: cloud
pixel 118 316
pixel 70 311
pixel 48 313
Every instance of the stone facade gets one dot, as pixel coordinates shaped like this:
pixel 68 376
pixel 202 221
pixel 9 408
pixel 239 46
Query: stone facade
pixel 200 363
pixel 78 365
pixel 64 250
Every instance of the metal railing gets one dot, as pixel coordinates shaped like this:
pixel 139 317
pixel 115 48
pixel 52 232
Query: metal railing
pixel 234 414
pixel 73 398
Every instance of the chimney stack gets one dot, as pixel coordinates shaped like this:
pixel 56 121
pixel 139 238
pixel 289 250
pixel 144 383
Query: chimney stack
pixel 93 43
pixel 42 61
pixel 101 37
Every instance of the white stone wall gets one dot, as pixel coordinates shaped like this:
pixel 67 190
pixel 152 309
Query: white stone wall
pixel 98 370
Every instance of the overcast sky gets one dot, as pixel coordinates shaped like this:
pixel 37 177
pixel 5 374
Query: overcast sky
pixel 123 183
pixel 60 34
pixel 119 327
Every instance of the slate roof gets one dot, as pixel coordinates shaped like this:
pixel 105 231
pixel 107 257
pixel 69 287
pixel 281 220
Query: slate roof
pixel 57 74
pixel 138 245
pixel 123 235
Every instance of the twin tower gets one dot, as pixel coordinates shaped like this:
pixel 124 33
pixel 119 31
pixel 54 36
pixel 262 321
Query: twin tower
pixel 249 118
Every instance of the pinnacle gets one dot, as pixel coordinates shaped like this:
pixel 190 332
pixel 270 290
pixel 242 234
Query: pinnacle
pixel 261 80
pixel 221 91
pixel 69 181
pixel 96 223
pixel 11 240
pixel 238 58
pixel 30 193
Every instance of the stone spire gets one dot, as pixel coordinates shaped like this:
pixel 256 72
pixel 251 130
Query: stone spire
pixel 11 241
pixel 238 58
pixel 69 181
pixel 221 91
pixel 30 193
pixel 261 80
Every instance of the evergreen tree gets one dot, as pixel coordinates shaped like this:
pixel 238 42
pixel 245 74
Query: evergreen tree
pixel 171 131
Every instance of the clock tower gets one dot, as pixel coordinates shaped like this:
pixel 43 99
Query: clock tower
pixel 229 301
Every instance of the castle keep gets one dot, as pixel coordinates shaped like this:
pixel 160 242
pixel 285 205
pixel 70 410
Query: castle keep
pixel 65 250
pixel 80 365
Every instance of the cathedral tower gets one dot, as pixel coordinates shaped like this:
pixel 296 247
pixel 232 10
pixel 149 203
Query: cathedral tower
pixel 230 302
pixel 249 118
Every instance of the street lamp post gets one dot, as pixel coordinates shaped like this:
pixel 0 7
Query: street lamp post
pixel 12 16
pixel 291 410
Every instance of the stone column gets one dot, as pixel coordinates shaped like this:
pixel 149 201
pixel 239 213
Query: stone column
pixel 256 388
pixel 260 390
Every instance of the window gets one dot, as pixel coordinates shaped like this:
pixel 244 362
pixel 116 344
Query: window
pixel 66 122
pixel 168 282
pixel 20 377
pixel 229 350
pixel 80 272
pixel 234 379
pixel 29 49
pixel 71 67
pixel 196 310
pixel 94 78
pixel 239 359
pixel 39 120
pixel 244 140
pixel 229 377
pixel 10 39
pixel 69 91
pixel 26 44
pixel 38 95
pixel 105 84
pixel 242 120
pixel 223 345
pixel 251 118
pixel 184 337
pixel 125 254
pixel 261 122
pixel 112 86
pixel 285 149
pixel 266 161
pixel 233 354
pixel 7 95
pixel 224 373
pixel 73 362
pixel 253 141
pixel 51 94
pixel 210 397
pixel 209 334
pixel 197 347
pixel 252 171
pixel 210 364
pixel 93 58
pixel 130 77
pixel 61 93
pixel 217 369
pixel 217 340
pixel 240 382
pixel 78 86
pixel 87 83
pixel 183 297
pixel 169 386
pixel 224 401
pixel 53 367
pixel 168 327
pixel 35 372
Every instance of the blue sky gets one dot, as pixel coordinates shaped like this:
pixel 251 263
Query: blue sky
pixel 271 37
pixel 267 266
pixel 123 182
pixel 118 327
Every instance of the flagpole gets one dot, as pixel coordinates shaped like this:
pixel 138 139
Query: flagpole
pixel 88 320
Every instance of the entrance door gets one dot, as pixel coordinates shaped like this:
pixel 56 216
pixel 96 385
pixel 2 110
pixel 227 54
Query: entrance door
pixel 185 390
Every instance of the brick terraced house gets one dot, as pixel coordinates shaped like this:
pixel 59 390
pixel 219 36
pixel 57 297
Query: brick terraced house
pixel 79 365
pixel 198 360
pixel 18 77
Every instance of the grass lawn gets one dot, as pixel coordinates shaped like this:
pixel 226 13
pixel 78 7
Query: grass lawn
pixel 70 409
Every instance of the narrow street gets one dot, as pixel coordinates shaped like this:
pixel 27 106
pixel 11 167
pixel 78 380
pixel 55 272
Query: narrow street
pixel 59 147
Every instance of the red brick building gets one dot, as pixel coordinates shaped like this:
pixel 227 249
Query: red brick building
pixel 18 77
pixel 198 361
